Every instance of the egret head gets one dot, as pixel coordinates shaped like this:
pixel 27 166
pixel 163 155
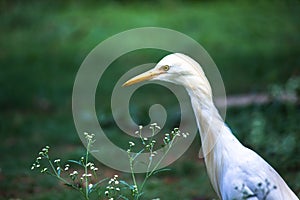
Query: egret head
pixel 176 68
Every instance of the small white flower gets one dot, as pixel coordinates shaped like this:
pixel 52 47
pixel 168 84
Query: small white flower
pixel 106 193
pixel 90 186
pixel 140 127
pixel 118 189
pixel 116 182
pixel 56 161
pixel 44 170
pixel 131 144
pixel 74 173
pixel 145 139
pixel 86 175
pixel 116 176
pixel 38 158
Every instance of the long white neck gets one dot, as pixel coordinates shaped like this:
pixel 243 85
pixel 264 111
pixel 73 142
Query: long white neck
pixel 214 132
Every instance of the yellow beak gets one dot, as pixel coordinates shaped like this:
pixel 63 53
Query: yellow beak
pixel 143 77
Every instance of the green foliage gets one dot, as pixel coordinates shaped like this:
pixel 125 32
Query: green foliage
pixel 86 182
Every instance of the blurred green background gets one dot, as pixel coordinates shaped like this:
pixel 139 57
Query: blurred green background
pixel 255 44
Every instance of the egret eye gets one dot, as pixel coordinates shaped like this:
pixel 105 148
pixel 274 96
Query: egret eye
pixel 166 67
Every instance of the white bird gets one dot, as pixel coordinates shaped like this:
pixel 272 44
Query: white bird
pixel 235 171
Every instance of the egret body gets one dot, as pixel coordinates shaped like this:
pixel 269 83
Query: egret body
pixel 229 164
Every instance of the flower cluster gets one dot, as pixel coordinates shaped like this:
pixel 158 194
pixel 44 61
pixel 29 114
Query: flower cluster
pixel 176 133
pixel 41 155
pixel 89 137
pixel 83 181
pixel 113 189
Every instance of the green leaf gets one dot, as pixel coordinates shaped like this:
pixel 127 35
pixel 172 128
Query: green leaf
pixel 161 170
pixel 127 184
pixel 77 162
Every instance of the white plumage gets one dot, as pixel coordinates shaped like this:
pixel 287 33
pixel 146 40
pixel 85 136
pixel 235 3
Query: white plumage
pixel 234 170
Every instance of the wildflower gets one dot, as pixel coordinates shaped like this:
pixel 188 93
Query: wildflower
pixel 56 161
pixel 140 127
pixel 67 167
pixel 106 193
pixel 90 186
pixel 145 139
pixel 116 176
pixel 44 170
pixel 90 164
pixel 131 144
pixel 38 158
pixel 117 189
pixel 86 175
pixel 74 173
pixel 94 168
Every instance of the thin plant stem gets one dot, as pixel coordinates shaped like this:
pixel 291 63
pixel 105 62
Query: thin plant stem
pixel 86 170
pixel 60 178
pixel 132 172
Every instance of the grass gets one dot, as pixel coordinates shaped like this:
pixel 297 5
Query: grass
pixel 43 44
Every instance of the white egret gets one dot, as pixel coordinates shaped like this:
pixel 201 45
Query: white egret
pixel 233 169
